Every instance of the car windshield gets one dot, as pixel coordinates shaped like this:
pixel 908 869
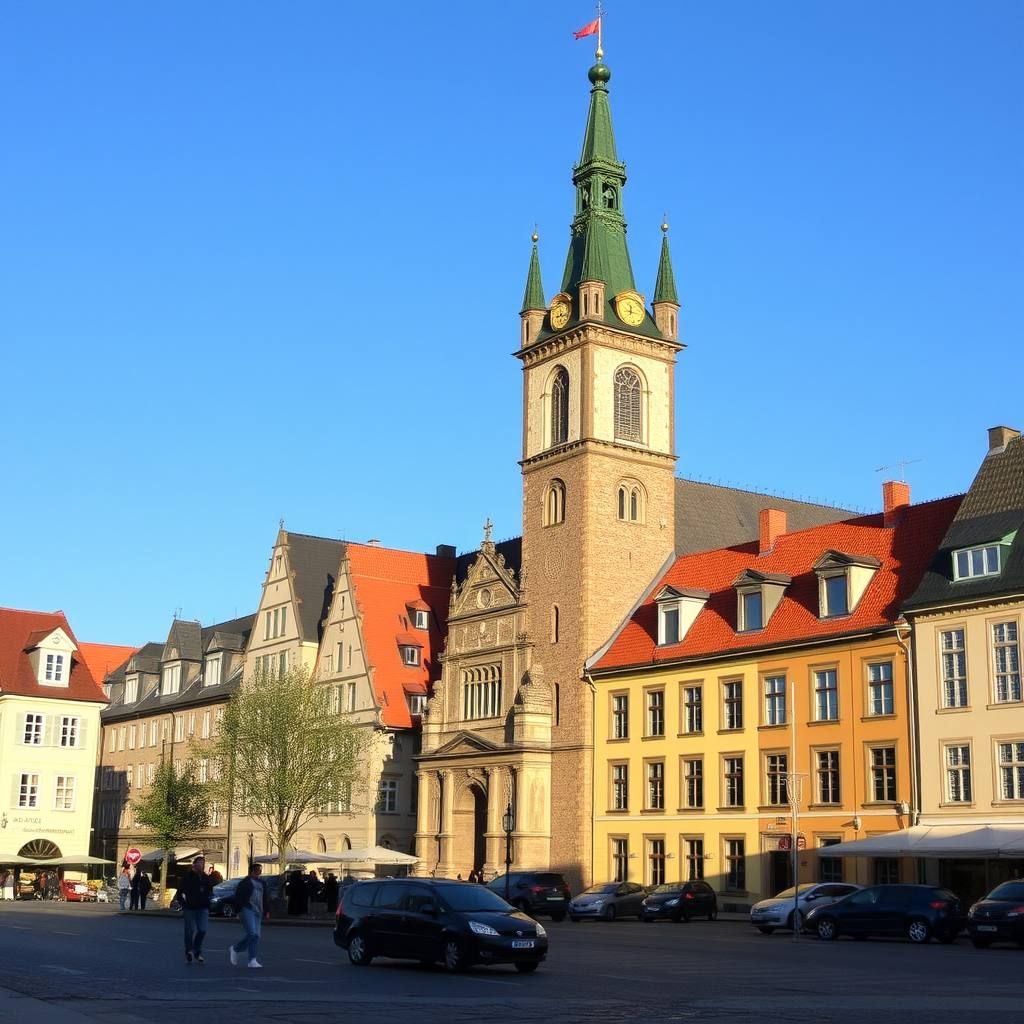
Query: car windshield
pixel 1008 891
pixel 791 892
pixel 605 887
pixel 473 897
pixel 671 887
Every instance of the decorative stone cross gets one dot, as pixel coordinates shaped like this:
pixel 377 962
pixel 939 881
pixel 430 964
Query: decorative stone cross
pixel 488 526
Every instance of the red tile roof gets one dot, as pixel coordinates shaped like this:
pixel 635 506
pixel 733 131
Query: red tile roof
pixel 904 551
pixel 22 630
pixel 102 659
pixel 386 584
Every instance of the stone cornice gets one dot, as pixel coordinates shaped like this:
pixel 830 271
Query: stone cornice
pixel 553 456
pixel 594 333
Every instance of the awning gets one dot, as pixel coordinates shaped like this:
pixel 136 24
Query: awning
pixel 968 841
pixel 180 853
pixel 375 855
pixel 45 862
pixel 297 857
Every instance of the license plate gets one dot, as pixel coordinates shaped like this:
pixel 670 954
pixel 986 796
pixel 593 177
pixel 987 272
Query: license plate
pixel 522 944
pixel 554 897
pixel 987 928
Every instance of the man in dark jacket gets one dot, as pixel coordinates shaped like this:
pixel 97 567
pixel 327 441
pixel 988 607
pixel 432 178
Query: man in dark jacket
pixel 194 891
pixel 253 909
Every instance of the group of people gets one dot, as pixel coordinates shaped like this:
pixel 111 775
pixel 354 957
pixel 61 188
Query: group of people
pixel 476 875
pixel 45 885
pixel 302 890
pixel 133 888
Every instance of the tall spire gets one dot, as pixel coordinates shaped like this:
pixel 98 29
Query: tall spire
pixel 665 287
pixel 597 248
pixel 533 297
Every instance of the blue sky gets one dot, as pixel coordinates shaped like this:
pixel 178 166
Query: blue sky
pixel 265 260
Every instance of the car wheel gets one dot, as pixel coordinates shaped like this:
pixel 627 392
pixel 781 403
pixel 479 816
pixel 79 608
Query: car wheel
pixel 828 929
pixel 609 914
pixel 764 930
pixel 918 930
pixel 358 951
pixel 527 966
pixel 979 943
pixel 713 913
pixel 558 917
pixel 454 956
pixel 796 921
pixel 228 910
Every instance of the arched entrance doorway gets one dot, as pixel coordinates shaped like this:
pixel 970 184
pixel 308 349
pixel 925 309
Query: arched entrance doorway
pixel 469 824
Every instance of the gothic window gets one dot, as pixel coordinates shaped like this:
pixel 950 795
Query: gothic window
pixel 554 504
pixel 560 406
pixel 627 405
pixel 630 502
pixel 609 197
pixel 481 692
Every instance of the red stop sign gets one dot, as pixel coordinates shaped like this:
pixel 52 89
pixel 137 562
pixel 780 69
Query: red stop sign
pixel 133 855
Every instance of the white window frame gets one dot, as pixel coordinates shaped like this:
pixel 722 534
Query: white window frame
pixel 828 779
pixel 826 608
pixel 883 684
pixel 410 655
pixel 205 729
pixel 35 729
pixel 775 700
pixel 655 785
pixel 179 728
pixel 693 709
pixel 170 680
pixel 620 785
pixel 417 703
pixel 959 784
pixel 1006 662
pixel 28 790
pixel 745 625
pixel 991 558
pixel 655 700
pixel 131 688
pixel 387 796
pixel 212 675
pixel 421 618
pixel 1010 765
pixel 64 785
pixel 955 692
pixel 666 609
pixel 829 692
pixel 53 669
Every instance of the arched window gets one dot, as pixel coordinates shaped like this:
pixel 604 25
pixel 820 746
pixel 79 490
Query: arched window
pixel 554 623
pixel 630 499
pixel 628 394
pixel 560 406
pixel 321 844
pixel 554 504
pixel 634 505
pixel 622 502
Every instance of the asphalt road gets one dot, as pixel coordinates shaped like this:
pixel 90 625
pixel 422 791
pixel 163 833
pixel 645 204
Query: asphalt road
pixel 67 963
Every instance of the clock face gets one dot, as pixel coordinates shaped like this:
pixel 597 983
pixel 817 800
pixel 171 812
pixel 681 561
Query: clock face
pixel 630 308
pixel 560 310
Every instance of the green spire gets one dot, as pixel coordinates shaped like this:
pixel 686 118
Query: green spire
pixel 533 297
pixel 597 249
pixel 665 288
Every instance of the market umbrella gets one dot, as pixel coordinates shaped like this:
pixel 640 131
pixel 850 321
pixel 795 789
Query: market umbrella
pixel 295 857
pixel 375 855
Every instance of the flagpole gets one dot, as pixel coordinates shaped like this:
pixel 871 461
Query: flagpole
pixel 600 30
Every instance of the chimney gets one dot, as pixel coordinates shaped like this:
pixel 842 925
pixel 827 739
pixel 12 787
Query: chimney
pixel 445 550
pixel 895 498
pixel 772 525
pixel 1000 437
pixel 373 542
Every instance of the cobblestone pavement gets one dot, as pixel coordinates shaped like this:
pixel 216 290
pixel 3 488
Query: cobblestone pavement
pixel 67 963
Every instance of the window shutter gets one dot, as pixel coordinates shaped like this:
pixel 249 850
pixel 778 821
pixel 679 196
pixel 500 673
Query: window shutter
pixel 51 730
pixel 15 789
pixel 83 733
pixel 23 719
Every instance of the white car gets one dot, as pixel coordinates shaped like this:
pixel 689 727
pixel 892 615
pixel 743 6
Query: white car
pixel 778 912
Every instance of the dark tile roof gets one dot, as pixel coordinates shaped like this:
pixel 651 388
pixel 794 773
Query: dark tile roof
pixel 992 508
pixel 314 563
pixel 186 638
pixel 511 550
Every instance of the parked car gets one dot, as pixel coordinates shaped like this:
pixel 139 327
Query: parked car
pixel 679 901
pixel 777 912
pixel 430 920
pixel 535 892
pixel 222 899
pixel 999 917
pixel 607 901
pixel 918 912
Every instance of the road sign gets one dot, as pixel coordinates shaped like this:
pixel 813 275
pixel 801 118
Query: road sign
pixel 133 855
pixel 785 843
pixel 801 842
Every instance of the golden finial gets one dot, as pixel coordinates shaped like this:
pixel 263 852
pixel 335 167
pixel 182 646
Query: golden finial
pixel 535 237
pixel 664 223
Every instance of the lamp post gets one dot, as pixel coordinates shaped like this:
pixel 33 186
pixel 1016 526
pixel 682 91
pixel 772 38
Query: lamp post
pixel 508 823
pixel 251 853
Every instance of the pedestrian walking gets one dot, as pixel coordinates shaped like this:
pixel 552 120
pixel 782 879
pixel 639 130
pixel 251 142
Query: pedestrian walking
pixel 194 891
pixel 298 897
pixel 134 903
pixel 252 905
pixel 331 893
pixel 124 887
pixel 144 886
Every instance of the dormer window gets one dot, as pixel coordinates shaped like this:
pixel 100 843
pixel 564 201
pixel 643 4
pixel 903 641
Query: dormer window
pixel 842 581
pixel 410 654
pixel 417 703
pixel 757 596
pixel 751 610
pixel 421 619
pixel 211 674
pixel 170 680
pixel 54 670
pixel 677 611
pixel 970 563
pixel 131 689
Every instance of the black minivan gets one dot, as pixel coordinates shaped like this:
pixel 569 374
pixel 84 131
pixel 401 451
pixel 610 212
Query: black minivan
pixel 430 920
pixel 918 912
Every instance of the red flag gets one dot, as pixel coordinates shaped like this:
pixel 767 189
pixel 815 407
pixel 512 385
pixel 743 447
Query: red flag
pixel 589 30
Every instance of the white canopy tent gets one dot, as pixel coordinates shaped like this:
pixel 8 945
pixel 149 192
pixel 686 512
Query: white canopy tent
pixel 982 842
pixel 181 853
pixel 375 855
pixel 300 857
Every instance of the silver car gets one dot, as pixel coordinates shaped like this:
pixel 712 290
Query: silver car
pixel 778 912
pixel 607 901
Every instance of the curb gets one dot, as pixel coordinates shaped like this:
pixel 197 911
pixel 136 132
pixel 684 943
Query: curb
pixel 174 915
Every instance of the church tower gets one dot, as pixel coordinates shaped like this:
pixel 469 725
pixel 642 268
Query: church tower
pixel 598 460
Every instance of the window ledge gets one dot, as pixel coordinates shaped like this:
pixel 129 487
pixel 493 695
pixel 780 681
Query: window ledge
pixel 722 732
pixel 814 723
pixel 953 711
pixel 826 807
pixel 733 810
pixel 773 809
pixel 690 810
pixel 890 804
pixel 1000 704
pixel 877 718
pixel 957 803
pixel 653 810
pixel 617 739
pixel 617 810
pixel 688 735
pixel 781 725
pixel 1004 802
pixel 658 736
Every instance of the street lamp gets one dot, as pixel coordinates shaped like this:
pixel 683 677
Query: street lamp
pixel 249 865
pixel 508 823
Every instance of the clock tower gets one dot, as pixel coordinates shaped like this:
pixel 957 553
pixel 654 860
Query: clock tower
pixel 598 460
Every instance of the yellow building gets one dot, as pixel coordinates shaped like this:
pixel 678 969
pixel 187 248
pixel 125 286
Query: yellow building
pixel 750 671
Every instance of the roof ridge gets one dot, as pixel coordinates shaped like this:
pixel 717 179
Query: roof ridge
pixel 764 494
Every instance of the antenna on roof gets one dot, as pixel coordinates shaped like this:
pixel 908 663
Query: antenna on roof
pixel 177 612
pixel 900 464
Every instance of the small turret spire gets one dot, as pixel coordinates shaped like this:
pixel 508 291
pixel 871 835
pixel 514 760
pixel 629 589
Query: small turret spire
pixel 533 296
pixel 665 287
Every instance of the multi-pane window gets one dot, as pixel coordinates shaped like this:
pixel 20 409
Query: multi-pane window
pixel 751 610
pixel 630 503
pixel 150 772
pixel 836 601
pixel 886 870
pixel 693 782
pixel 560 406
pixel 204 770
pixel 54 671
pixel 211 676
pixel 954 669
pixel 481 692
pixel 1006 656
pixel 656 861
pixel 620 787
pixel 112 745
pixel 204 733
pixel 734 782
pixel 171 680
pixel 33 735
pixel 830 869
pixel 1011 770
pixel 958 773
pixel 628 391
pixel 28 790
pixel 64 793
pixel 826 695
pixel 693 709
pixel 121 734
pixel 131 689
pixel 655 712
pixel 880 692
pixel 131 736
pixel 776 768
pixel 736 864
pixel 668 624
pixel 827 770
pixel 694 858
pixel 980 561
pixel 883 774
pixel 421 618
pixel 620 716
pixel 733 705
pixel 387 796
pixel 179 728
pixel 350 702
pixel 775 700
pixel 656 785
pixel 620 859
pixel 152 733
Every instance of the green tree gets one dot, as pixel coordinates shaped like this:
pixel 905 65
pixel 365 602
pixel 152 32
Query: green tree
pixel 284 754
